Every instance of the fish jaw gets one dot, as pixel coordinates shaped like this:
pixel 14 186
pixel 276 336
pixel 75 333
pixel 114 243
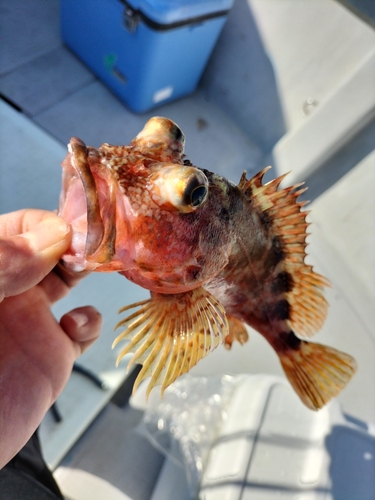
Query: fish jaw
pixel 88 202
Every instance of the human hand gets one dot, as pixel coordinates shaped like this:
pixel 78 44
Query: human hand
pixel 36 351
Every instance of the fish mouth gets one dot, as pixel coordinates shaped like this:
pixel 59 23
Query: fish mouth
pixel 88 204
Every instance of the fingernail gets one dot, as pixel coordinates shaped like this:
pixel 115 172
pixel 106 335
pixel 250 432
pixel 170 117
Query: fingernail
pixel 80 319
pixel 47 233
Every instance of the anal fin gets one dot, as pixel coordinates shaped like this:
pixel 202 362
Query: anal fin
pixel 170 333
pixel 317 373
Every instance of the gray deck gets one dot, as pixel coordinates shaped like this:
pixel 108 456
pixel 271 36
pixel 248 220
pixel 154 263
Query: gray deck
pixel 246 113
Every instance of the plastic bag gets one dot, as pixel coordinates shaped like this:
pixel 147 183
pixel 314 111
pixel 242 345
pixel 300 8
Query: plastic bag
pixel 185 423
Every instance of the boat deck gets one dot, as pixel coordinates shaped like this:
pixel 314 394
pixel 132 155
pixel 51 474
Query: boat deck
pixel 272 93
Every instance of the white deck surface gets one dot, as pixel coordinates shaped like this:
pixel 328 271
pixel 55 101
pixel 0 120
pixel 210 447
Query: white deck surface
pixel 250 105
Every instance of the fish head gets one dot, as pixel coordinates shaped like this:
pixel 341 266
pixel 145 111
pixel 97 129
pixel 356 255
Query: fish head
pixel 146 212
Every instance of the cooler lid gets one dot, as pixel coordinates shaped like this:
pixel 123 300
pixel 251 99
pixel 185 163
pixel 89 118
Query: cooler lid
pixel 167 12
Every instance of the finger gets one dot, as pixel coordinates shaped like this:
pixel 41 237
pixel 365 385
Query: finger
pixel 23 220
pixel 26 258
pixel 83 326
pixel 54 287
pixel 71 279
pixel 57 284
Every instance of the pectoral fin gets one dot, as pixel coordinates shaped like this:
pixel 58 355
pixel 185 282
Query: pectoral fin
pixel 169 334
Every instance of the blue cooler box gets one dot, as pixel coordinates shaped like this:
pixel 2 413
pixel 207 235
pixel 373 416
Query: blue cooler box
pixel 148 52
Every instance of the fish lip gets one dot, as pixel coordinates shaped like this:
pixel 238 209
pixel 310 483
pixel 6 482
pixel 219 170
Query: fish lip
pixel 100 234
pixel 95 226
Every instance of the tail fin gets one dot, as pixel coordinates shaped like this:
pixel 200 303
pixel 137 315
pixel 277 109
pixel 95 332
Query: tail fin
pixel 316 372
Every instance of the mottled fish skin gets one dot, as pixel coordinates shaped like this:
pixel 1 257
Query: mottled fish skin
pixel 215 256
pixel 252 286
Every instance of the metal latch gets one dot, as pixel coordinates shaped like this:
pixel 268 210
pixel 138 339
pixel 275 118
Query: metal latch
pixel 131 18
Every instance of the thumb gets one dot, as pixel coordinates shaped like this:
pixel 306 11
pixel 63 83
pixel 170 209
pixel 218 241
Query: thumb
pixel 27 258
pixel 83 326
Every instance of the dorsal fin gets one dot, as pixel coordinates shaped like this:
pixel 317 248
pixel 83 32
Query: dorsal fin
pixel 308 307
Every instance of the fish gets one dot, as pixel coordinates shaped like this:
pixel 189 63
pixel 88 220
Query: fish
pixel 216 257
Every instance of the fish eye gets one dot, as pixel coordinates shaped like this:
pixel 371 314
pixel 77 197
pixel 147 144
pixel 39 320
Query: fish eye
pixel 198 196
pixel 184 188
pixel 195 190
pixel 176 132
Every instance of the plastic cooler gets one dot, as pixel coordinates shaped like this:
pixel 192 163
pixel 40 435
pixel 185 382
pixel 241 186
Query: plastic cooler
pixel 148 52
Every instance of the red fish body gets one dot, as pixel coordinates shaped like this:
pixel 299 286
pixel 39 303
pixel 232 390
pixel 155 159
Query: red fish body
pixel 214 255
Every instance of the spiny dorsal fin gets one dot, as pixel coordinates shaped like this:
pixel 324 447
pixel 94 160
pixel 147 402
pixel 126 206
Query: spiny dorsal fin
pixel 308 307
pixel 169 334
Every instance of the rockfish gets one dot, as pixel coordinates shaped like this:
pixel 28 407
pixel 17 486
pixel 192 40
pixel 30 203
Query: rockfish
pixel 215 257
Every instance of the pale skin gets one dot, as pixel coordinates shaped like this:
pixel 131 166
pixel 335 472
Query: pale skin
pixel 36 351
